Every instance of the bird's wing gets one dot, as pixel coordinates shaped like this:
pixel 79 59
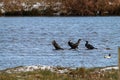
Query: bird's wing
pixel 70 43
pixel 90 46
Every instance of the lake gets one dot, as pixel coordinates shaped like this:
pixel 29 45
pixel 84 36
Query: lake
pixel 27 41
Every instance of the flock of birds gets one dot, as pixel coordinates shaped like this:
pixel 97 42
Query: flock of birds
pixel 75 46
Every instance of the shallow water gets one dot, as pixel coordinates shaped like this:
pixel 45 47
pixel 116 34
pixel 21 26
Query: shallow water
pixel 27 41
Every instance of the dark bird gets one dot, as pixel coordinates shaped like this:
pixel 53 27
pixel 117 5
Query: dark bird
pixel 89 46
pixel 74 45
pixel 55 44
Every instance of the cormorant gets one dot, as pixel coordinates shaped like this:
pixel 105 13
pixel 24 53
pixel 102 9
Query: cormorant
pixel 74 45
pixel 55 44
pixel 89 46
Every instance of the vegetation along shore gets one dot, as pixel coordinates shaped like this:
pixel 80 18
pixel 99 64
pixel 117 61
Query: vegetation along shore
pixel 59 7
pixel 58 73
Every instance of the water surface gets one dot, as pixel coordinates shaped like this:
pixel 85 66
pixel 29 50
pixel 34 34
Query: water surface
pixel 27 41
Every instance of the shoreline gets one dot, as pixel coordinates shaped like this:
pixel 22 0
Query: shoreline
pixel 58 73
pixel 56 69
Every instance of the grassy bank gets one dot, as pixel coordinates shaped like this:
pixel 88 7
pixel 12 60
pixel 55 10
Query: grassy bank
pixel 72 74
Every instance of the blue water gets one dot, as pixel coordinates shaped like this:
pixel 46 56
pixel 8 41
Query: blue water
pixel 27 41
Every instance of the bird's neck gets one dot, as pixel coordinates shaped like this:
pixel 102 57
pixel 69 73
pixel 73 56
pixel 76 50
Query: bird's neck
pixel 78 41
pixel 86 43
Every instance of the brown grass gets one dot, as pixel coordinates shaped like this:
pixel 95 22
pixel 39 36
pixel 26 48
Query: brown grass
pixel 68 7
pixel 77 74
